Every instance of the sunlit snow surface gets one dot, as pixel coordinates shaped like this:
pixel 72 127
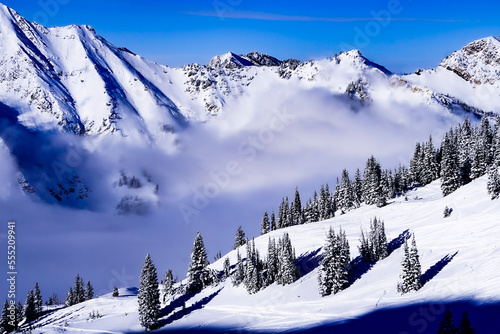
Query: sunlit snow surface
pixel 241 137
pixel 459 255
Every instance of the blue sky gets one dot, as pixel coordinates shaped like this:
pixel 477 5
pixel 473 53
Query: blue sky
pixel 403 35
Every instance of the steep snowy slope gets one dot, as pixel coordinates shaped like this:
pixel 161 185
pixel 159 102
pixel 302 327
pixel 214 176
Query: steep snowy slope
pixel 459 256
pixel 471 74
pixel 72 80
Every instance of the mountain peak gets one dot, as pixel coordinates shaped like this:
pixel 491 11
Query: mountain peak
pixel 261 59
pixel 229 60
pixel 478 62
pixel 232 60
pixel 354 53
pixel 356 56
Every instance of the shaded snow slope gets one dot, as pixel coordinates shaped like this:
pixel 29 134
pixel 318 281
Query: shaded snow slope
pixel 459 257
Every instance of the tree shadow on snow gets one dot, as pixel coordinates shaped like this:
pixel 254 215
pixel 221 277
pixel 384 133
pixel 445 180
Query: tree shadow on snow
pixel 359 267
pixel 181 302
pixel 309 261
pixel 398 242
pixel 420 318
pixel 414 319
pixel 435 269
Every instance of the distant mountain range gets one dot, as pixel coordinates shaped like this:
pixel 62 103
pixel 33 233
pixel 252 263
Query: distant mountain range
pixel 70 80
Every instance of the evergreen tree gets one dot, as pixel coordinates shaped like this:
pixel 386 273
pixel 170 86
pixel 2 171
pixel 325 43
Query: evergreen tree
pixel 89 291
pixel 465 326
pixel 297 214
pixel 345 193
pixel 430 167
pixel 482 155
pixel 272 262
pixel 168 283
pixel 198 274
pixel 314 208
pixel 357 187
pixel 239 273
pixel 149 296
pixel 227 268
pixel 286 220
pixel 272 222
pixel 53 300
pixel 311 213
pixel 450 172
pixel 465 148
pixel 477 162
pixel 264 227
pixel 37 295
pixel 495 145
pixel 493 184
pixel 403 179
pixel 240 239
pixel 405 280
pixel 365 248
pixel 374 246
pixel 288 271
pixel 326 207
pixel 334 267
pixel 446 326
pixel 281 214
pixel 284 214
pixel 371 181
pixel 19 314
pixel 78 290
pixel 252 276
pixel 410 278
pixel 116 293
pixel 415 268
pixel 378 239
pixel 70 297
pixel 416 165
pixel 388 187
pixel 5 327
pixel 29 310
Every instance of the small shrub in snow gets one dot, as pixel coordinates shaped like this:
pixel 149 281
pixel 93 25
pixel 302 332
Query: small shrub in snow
pixel 447 212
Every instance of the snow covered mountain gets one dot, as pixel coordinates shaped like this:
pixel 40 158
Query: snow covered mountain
pixel 472 73
pixel 477 62
pixel 459 256
pixel 102 149
pixel 70 79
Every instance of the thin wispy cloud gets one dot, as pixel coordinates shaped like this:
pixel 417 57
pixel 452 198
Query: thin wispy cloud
pixel 299 18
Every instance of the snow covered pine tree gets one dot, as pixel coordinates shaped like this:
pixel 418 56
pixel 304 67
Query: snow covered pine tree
pixel 240 239
pixel 334 268
pixel 149 296
pixel 198 273
pixel 411 275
